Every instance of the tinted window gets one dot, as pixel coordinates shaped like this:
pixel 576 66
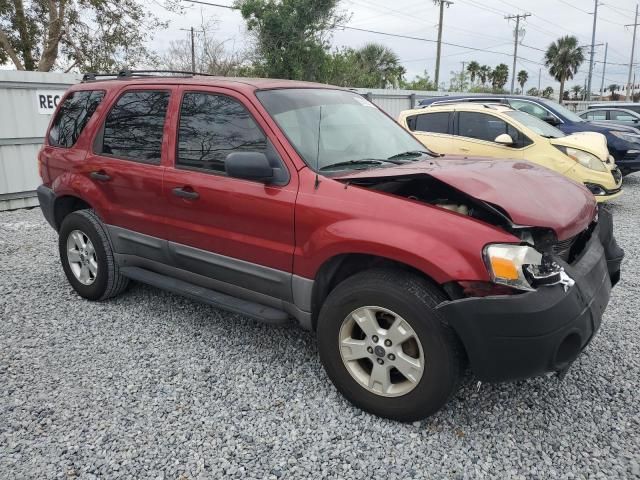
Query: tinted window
pixel 134 127
pixel 430 122
pixel 213 126
pixel 597 115
pixel 483 126
pixel 621 116
pixel 74 113
pixel 530 108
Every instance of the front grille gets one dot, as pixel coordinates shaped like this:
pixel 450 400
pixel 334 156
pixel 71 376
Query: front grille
pixel 617 175
pixel 563 248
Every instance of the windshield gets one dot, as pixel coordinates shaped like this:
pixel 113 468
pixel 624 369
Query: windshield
pixel 331 127
pixel 562 110
pixel 534 123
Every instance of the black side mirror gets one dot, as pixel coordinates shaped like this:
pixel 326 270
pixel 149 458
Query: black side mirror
pixel 250 166
pixel 551 120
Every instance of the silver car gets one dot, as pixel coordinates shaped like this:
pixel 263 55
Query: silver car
pixel 619 116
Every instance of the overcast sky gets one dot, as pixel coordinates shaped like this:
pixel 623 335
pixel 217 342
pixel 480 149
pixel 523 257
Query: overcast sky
pixel 478 24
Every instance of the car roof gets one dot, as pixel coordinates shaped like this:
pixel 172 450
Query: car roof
pixel 235 83
pixel 466 106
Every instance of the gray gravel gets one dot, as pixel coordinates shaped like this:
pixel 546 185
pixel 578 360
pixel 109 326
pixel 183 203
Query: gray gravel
pixel 150 385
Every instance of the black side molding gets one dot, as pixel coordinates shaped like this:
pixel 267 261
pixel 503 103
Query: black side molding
pixel 253 310
pixel 47 198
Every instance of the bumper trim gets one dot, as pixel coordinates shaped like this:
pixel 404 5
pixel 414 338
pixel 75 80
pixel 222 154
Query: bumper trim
pixel 47 199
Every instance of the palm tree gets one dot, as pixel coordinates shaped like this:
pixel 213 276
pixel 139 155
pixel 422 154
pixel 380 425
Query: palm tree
pixel 474 70
pixel 523 76
pixel 547 92
pixel 563 58
pixel 499 76
pixel 612 88
pixel 577 90
pixel 381 63
pixel 484 73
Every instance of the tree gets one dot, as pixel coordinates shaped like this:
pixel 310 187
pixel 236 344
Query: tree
pixel 577 90
pixel 291 36
pixel 612 88
pixel 380 65
pixel 547 92
pixel 523 76
pixel 95 35
pixel 485 74
pixel 563 58
pixel 474 70
pixel 420 82
pixel 533 92
pixel 211 55
pixel 499 76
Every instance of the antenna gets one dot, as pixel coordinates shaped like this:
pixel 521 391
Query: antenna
pixel 317 182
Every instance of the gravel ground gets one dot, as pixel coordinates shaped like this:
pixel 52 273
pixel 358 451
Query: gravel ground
pixel 151 385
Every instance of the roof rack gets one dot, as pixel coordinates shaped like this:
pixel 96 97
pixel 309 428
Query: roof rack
pixel 488 104
pixel 122 74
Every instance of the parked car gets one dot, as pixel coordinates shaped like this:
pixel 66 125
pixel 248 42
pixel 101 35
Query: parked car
pixel 622 116
pixel 499 131
pixel 633 106
pixel 623 141
pixel 280 199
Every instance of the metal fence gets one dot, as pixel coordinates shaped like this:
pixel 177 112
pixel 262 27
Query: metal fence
pixel 27 100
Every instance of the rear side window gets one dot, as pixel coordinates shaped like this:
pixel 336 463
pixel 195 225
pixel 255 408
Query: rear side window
pixel 134 127
pixel 597 115
pixel 429 122
pixel 72 117
pixel 213 126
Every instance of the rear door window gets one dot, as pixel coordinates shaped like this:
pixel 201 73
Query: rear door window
pixel 437 122
pixel 72 117
pixel 621 116
pixel 134 127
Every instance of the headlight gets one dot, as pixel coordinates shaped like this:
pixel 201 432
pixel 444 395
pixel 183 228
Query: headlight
pixel 629 137
pixel 505 263
pixel 585 159
pixel 523 267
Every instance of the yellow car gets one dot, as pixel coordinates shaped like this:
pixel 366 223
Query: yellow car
pixel 498 131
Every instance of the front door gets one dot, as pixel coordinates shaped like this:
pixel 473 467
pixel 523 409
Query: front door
pixel 476 133
pixel 235 231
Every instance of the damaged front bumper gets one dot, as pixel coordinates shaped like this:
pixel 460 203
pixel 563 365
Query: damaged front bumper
pixel 518 336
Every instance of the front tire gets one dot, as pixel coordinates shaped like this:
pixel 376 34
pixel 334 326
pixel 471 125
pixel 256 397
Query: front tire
pixel 87 257
pixel 386 347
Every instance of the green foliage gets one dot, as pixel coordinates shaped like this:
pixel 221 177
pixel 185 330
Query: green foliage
pixel 474 71
pixel 419 82
pixel 612 88
pixel 522 78
pixel 499 76
pixel 563 58
pixel 547 92
pixel 533 92
pixel 94 35
pixel 577 91
pixel 291 36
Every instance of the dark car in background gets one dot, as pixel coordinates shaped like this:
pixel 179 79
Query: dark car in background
pixel 623 141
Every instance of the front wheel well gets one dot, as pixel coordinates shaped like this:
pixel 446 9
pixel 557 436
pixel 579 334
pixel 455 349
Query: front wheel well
pixel 339 268
pixel 66 205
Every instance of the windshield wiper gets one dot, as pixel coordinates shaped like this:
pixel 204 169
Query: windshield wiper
pixel 354 162
pixel 410 154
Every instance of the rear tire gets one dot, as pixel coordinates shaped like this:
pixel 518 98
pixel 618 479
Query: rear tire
pixel 386 297
pixel 87 257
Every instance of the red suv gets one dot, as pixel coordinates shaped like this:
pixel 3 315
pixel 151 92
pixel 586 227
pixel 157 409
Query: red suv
pixel 281 199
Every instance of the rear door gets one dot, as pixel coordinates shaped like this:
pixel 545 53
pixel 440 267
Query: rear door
pixel 433 129
pixel 126 166
pixel 476 133
pixel 236 231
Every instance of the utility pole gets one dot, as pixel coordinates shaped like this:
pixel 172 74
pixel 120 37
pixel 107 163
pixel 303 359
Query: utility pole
pixel 604 68
pixel 633 46
pixel 442 4
pixel 539 79
pixel 462 77
pixel 515 44
pixel 193 53
pixel 593 41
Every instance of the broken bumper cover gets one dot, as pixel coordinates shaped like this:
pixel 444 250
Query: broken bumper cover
pixel 518 336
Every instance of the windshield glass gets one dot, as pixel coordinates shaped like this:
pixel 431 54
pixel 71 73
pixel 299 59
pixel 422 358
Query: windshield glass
pixel 534 123
pixel 562 110
pixel 329 127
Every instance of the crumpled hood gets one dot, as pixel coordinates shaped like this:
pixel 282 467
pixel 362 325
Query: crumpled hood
pixel 592 142
pixel 530 195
